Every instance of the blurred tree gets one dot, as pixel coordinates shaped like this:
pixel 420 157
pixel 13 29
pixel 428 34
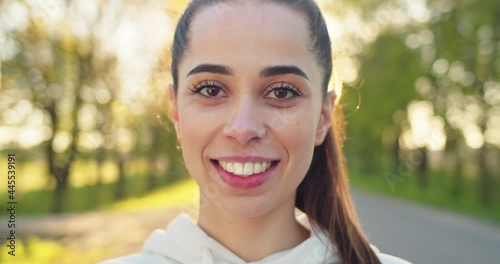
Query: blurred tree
pixel 164 152
pixel 448 57
pixel 387 69
pixel 60 66
pixel 104 119
pixel 459 50
pixel 49 63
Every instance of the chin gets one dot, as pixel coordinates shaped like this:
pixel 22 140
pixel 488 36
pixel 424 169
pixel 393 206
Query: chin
pixel 244 207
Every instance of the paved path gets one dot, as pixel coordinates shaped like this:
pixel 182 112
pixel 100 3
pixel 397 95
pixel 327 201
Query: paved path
pixel 122 233
pixel 426 235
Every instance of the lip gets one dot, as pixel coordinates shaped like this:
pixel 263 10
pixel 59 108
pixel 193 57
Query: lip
pixel 250 182
pixel 244 159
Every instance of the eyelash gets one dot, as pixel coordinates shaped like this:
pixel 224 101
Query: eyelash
pixel 198 88
pixel 285 86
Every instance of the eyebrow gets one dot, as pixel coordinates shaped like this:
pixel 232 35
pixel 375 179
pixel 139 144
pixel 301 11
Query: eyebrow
pixel 282 70
pixel 269 71
pixel 211 68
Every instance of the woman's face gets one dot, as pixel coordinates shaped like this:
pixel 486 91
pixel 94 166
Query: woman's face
pixel 249 108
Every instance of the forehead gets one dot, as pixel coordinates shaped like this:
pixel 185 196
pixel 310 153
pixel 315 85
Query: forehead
pixel 251 33
pixel 241 14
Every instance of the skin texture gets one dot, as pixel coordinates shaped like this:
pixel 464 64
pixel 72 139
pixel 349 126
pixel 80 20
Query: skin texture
pixel 244 117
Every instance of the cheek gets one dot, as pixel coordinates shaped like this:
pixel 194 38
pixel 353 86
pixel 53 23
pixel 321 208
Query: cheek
pixel 196 124
pixel 295 126
pixel 296 136
pixel 196 130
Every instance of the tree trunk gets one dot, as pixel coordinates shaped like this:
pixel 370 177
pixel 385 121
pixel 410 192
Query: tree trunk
pixel 61 189
pixel 457 189
pixel 100 156
pixel 59 171
pixel 423 169
pixel 120 185
pixel 485 179
pixel 155 147
pixel 396 159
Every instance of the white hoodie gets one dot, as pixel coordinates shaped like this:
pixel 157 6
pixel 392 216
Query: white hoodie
pixel 185 243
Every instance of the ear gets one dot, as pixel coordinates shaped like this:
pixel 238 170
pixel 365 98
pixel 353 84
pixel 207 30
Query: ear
pixel 173 113
pixel 325 120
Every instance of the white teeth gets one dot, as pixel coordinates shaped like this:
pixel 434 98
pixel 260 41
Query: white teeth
pixel 229 167
pixel 248 169
pixel 245 169
pixel 257 168
pixel 238 168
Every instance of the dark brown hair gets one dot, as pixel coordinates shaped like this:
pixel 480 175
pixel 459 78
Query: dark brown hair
pixel 324 193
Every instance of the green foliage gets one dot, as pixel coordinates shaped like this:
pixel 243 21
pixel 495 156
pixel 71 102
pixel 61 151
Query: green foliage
pixel 388 71
pixel 456 54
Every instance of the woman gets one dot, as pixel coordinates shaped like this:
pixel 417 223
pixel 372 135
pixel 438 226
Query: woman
pixel 253 113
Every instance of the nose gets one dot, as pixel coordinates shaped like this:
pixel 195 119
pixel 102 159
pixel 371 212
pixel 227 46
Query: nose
pixel 244 124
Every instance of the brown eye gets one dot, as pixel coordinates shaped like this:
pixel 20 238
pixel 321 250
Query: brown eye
pixel 210 91
pixel 281 93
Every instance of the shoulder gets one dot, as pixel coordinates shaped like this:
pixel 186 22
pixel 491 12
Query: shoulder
pixel 388 259
pixel 140 258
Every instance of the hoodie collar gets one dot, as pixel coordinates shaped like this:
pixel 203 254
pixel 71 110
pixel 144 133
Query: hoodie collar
pixel 185 242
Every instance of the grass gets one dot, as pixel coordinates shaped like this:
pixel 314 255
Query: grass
pixel 48 251
pixel 183 193
pixel 35 189
pixel 94 197
pixel 437 194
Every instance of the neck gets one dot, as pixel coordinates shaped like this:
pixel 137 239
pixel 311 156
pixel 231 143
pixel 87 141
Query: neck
pixel 253 238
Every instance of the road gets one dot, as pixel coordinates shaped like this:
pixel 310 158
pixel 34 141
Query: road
pixel 422 234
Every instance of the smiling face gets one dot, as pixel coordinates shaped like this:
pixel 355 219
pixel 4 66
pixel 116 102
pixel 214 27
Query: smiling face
pixel 249 108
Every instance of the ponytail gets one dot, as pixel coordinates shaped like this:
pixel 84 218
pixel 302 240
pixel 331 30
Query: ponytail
pixel 324 196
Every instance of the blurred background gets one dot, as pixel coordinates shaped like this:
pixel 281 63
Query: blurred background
pixel 83 106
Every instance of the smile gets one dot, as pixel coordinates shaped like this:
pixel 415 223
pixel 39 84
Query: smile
pixel 245 173
pixel 245 169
